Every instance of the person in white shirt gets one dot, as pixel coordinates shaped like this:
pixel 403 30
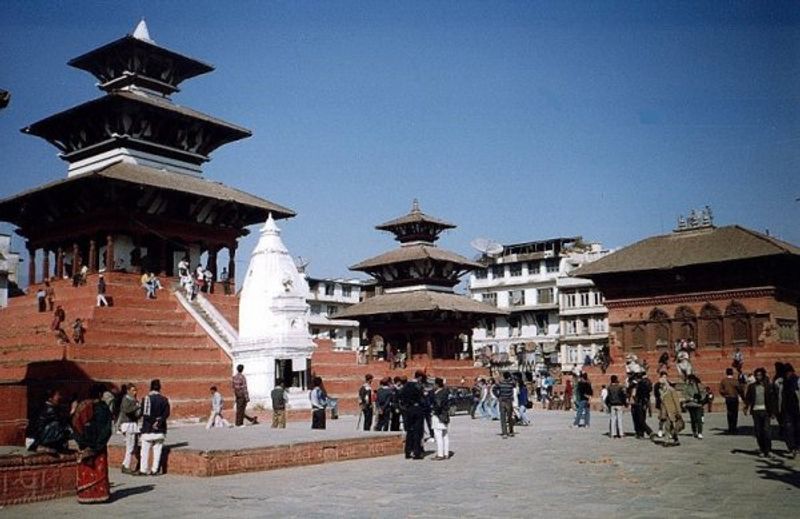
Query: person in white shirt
pixel 217 403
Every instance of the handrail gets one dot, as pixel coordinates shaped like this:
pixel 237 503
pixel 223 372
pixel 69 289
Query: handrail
pixel 227 328
pixel 205 325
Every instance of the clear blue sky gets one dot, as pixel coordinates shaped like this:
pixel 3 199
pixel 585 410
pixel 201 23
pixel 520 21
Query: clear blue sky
pixel 516 120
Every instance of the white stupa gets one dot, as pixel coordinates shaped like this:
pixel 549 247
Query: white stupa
pixel 274 341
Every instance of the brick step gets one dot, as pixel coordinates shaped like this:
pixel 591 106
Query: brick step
pixel 32 353
pixel 129 369
pixel 143 313
pixel 163 353
pixel 101 337
pixel 178 322
pixel 191 387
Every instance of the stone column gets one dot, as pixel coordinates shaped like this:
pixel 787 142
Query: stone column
pixel 60 263
pixel 46 264
pixel 31 264
pixel 92 256
pixel 109 253
pixel 429 347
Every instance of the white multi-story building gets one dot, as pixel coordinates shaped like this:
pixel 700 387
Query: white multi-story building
pixel 326 298
pixel 526 279
pixel 583 317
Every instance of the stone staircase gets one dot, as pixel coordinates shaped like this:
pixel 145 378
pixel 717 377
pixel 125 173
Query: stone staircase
pixel 133 340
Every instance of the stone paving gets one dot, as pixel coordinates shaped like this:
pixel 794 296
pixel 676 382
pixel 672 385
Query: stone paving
pixel 548 469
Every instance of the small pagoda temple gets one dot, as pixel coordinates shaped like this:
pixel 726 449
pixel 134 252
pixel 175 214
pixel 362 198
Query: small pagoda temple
pixel 134 197
pixel 415 307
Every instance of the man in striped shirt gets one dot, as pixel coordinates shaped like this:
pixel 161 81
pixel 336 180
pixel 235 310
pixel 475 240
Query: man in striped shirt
pixel 504 391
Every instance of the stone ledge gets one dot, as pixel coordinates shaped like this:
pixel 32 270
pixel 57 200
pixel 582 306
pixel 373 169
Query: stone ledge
pixel 199 463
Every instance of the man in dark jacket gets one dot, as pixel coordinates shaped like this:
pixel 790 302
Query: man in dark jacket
pixel 641 388
pixel 155 411
pixel 616 401
pixel 504 391
pixel 790 410
pixel 410 398
pixel 583 393
pixel 383 401
pixel 761 401
pixel 49 432
pixel 365 401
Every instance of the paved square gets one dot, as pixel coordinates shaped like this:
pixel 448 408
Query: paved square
pixel 547 470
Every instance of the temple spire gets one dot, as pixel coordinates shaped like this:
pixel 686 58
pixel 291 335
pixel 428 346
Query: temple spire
pixel 141 32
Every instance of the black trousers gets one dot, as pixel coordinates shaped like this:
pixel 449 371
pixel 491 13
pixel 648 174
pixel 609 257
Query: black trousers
pixel 761 431
pixel 318 419
pixel 383 420
pixel 394 421
pixel 639 415
pixel 367 418
pixel 473 407
pixel 732 406
pixel 791 431
pixel 241 407
pixel 414 418
pixel 696 417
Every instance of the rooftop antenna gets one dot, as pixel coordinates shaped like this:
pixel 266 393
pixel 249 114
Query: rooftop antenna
pixel 302 264
pixel 487 247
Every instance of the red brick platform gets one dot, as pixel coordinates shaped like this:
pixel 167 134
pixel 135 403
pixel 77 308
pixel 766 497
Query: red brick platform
pixel 25 478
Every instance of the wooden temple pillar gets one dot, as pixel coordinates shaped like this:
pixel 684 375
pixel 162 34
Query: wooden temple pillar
pixel 429 347
pixel 408 349
pixel 31 264
pixel 76 259
pixel 162 258
pixel 60 263
pixel 109 253
pixel 92 256
pixel 232 266
pixel 46 264
pixel 211 265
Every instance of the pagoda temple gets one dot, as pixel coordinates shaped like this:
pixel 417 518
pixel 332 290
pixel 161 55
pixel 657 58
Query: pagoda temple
pixel 415 306
pixel 135 196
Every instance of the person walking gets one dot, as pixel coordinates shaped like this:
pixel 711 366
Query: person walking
pixel 523 402
pixel 49 294
pixel 92 428
pixel 101 291
pixel 441 419
pixel 568 394
pixel 504 391
pixel 761 401
pixel 217 403
pixel 240 393
pixel 476 391
pixel 617 401
pixel 280 398
pixel 365 401
pixel 319 401
pixel 695 394
pixel 790 410
pixel 394 404
pixel 670 411
pixel 410 397
pixel 155 412
pixel 640 401
pixel 583 393
pixel 383 401
pixel 731 391
pixel 130 411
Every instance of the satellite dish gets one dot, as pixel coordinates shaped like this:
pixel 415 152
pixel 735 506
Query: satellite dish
pixel 487 246
pixel 301 263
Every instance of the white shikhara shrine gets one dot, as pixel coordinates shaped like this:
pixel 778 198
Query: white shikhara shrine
pixel 274 341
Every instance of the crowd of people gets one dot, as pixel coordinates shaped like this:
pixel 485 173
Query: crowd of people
pixel 91 422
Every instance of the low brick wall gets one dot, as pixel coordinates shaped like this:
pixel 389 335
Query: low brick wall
pixel 36 477
pixel 188 462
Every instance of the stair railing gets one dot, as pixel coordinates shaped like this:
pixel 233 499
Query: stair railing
pixel 227 336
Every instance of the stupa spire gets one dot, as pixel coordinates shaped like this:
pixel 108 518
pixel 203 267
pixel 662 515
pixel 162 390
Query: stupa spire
pixel 141 32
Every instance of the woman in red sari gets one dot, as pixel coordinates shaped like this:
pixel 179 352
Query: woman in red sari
pixel 91 423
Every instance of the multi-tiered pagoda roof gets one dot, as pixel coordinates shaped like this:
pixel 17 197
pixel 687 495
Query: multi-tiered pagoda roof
pixel 416 306
pixel 135 174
